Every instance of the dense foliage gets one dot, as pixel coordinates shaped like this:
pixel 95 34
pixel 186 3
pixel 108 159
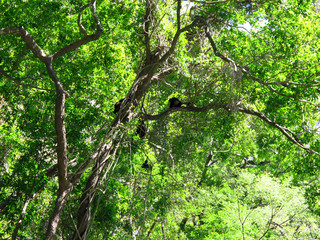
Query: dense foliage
pixel 238 160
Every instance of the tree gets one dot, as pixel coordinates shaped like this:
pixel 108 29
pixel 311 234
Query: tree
pixel 264 77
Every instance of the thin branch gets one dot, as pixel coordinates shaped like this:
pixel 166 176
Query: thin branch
pixel 95 16
pixel 19 81
pixel 162 74
pixel 268 225
pixel 147 20
pixel 81 27
pixel 175 41
pixel 206 166
pixel 285 131
pixel 245 70
pixel 152 226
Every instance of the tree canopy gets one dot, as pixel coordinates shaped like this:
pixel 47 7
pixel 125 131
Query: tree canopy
pixel 90 147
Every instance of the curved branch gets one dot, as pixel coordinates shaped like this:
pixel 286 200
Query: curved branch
pixel 26 37
pixel 175 40
pixel 285 131
pixel 86 39
pixel 81 27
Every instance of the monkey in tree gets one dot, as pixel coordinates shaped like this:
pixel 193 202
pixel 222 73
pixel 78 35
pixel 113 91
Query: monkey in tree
pixel 141 130
pixel 175 102
pixel 117 106
pixel 145 165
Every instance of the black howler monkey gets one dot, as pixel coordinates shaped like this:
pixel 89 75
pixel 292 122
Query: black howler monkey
pixel 117 106
pixel 175 102
pixel 141 130
pixel 145 165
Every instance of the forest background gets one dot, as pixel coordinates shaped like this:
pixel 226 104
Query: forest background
pixel 238 160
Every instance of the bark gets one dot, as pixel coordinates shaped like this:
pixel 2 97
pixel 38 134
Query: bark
pixel 84 211
pixel 65 187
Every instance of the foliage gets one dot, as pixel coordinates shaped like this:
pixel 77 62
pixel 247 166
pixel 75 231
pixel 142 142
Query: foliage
pixel 239 159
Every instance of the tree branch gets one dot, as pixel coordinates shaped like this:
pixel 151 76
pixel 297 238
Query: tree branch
pixel 175 40
pixel 147 20
pixel 245 70
pixel 211 2
pixel 228 107
pixel 19 82
pixel 26 37
pixel 87 38
pixel 81 27
pixel 178 15
pixel 285 131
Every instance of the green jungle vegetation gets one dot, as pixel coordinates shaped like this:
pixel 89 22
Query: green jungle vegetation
pixel 159 119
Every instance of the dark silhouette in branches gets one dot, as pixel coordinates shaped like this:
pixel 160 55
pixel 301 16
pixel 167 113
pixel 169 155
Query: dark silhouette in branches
pixel 141 130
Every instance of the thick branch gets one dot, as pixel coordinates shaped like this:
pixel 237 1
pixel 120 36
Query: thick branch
pixel 179 15
pixel 60 126
pixel 65 187
pixel 185 109
pixel 84 211
pixel 26 37
pixel 211 2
